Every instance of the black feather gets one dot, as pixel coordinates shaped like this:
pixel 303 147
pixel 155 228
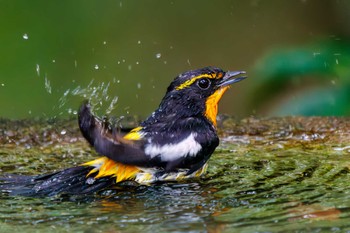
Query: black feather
pixel 108 143
pixel 72 181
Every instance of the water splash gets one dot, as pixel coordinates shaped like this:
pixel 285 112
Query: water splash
pixel 96 93
pixel 112 105
pixel 37 68
pixel 25 36
pixel 158 55
pixel 48 85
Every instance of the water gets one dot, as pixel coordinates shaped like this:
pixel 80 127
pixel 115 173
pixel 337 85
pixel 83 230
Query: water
pixel 272 175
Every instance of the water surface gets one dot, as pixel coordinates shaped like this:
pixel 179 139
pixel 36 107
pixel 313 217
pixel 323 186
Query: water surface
pixel 268 175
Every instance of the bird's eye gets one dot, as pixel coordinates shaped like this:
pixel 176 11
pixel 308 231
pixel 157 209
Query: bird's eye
pixel 203 83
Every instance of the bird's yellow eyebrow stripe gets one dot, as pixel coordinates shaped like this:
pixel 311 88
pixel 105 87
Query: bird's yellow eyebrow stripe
pixel 191 81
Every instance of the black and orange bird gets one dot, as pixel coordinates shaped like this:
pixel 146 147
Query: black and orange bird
pixel 172 144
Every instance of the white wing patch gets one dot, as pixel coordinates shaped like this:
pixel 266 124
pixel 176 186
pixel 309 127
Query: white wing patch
pixel 170 152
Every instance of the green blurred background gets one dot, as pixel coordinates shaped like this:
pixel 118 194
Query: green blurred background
pixel 123 54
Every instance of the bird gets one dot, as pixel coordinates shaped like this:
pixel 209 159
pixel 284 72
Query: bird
pixel 174 143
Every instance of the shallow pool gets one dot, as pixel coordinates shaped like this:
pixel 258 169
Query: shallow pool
pixel 268 175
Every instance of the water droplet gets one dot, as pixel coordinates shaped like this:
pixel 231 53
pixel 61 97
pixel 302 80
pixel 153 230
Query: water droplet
pixel 158 55
pixel 104 42
pixel 2 84
pixel 137 63
pixel 165 62
pixel 342 148
pixel 96 67
pixel 139 42
pixel 47 85
pixel 104 218
pixel 37 69
pixel 129 67
pixel 66 92
pixel 112 105
pixel 139 85
pixel 53 60
pixel 25 36
pixel 75 63
pixel 63 132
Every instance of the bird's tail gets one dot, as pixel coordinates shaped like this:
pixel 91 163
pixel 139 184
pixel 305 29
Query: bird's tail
pixel 71 181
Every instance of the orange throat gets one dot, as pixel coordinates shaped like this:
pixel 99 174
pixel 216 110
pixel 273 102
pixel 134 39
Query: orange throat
pixel 211 105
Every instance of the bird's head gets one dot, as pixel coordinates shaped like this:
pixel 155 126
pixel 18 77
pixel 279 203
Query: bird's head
pixel 198 92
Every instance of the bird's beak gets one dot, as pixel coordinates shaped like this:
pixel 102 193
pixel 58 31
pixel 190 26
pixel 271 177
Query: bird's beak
pixel 231 77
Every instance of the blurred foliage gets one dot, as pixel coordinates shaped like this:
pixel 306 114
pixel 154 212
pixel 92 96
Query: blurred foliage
pixel 313 79
pixel 123 54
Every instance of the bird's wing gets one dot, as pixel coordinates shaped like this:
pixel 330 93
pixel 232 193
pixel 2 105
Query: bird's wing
pixel 181 143
pixel 111 144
